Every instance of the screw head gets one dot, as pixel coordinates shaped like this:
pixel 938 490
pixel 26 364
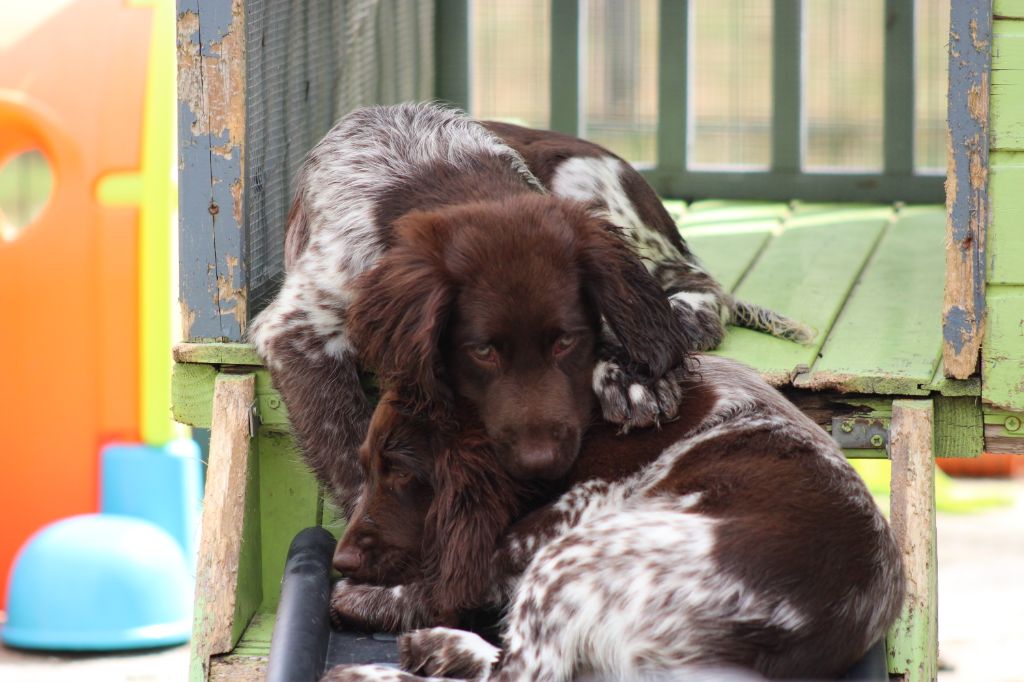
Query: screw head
pixel 846 427
pixel 274 403
pixel 877 441
pixel 1012 423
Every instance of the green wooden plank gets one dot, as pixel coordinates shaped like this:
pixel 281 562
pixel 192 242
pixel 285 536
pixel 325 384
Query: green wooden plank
pixel 888 336
pixel 289 499
pixel 713 212
pixel 248 585
pixel 898 87
pixel 801 208
pixel 1008 8
pixel 787 85
pixel 217 354
pixel 676 208
pixel 1003 351
pixel 673 91
pixel 1004 246
pixel 727 256
pixel 953 387
pixel 564 84
pixel 192 394
pixel 805 273
pixel 255 640
pixel 1007 98
pixel 959 429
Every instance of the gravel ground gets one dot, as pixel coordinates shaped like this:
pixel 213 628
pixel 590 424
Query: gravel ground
pixel 981 610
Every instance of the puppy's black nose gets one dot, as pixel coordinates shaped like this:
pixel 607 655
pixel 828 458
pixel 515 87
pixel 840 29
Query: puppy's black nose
pixel 347 560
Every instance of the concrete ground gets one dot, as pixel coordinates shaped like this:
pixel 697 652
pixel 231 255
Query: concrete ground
pixel 981 609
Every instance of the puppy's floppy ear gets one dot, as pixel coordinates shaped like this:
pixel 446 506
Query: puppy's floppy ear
pixel 399 311
pixel 474 503
pixel 629 298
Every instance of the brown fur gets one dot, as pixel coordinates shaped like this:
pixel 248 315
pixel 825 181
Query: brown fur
pixel 516 276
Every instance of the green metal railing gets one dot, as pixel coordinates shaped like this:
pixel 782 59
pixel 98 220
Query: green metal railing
pixel 673 175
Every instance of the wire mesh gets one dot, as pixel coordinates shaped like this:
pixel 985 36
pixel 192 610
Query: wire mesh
pixel 307 64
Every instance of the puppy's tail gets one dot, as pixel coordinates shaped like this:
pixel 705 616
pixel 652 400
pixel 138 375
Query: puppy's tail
pixel 753 316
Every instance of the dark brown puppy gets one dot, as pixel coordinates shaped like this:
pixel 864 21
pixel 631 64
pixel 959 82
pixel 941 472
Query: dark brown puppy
pixel 394 187
pixel 494 308
pixel 735 535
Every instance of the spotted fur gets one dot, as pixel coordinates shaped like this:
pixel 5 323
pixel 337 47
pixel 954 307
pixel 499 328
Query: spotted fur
pixel 745 540
pixel 340 225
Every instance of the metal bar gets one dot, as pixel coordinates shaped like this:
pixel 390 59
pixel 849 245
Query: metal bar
pixel 565 82
pixel 451 53
pixel 673 92
pixel 967 204
pixel 898 127
pixel 787 86
pixel 831 187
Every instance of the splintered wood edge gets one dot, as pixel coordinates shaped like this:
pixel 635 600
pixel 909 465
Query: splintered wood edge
pixel 223 515
pixel 913 638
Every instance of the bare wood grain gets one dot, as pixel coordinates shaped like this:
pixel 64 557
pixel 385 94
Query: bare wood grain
pixel 913 639
pixel 223 519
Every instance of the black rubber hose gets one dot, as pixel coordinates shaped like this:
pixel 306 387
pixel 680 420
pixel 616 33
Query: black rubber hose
pixel 298 648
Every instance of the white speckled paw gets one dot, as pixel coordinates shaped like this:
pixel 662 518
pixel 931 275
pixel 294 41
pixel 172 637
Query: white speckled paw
pixel 447 652
pixel 635 404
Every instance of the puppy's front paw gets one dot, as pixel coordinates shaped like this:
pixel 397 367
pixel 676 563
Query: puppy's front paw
pixel 634 403
pixel 446 652
pixel 366 673
pixel 362 607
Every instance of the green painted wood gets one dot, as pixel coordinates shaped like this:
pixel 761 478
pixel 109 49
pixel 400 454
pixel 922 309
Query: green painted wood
pixel 959 428
pixel 289 501
pixel 673 90
pixel 812 208
pixel 912 641
pixel 805 273
pixel 728 256
pixel 192 394
pixel 676 208
pixel 566 26
pixel 888 336
pixel 924 188
pixel 898 88
pixel 1005 241
pixel 943 385
pixel 1003 352
pixel 255 640
pixel 1007 98
pixel 214 353
pixel 249 586
pixel 715 211
pixel 1008 9
pixel 451 52
pixel 787 85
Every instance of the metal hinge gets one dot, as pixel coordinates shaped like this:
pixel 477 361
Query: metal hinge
pixel 861 433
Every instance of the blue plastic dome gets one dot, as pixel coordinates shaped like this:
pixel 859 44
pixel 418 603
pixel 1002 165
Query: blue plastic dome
pixel 99 582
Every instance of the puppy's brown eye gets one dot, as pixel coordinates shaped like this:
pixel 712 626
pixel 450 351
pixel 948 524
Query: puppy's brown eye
pixel 563 343
pixel 484 352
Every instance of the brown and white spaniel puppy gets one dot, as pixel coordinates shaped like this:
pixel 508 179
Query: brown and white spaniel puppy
pixel 736 535
pixel 396 187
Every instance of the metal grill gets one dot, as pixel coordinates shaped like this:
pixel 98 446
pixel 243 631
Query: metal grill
pixel 307 64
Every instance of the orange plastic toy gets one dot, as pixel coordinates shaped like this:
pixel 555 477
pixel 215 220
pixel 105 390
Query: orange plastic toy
pixel 73 87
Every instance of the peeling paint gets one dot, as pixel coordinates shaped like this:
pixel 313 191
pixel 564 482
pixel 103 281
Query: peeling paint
pixel 211 115
pixel 188 316
pixel 967 178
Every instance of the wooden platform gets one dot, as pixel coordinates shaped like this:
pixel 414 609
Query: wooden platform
pixel 869 279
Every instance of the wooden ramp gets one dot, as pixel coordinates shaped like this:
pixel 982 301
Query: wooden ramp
pixel 868 279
